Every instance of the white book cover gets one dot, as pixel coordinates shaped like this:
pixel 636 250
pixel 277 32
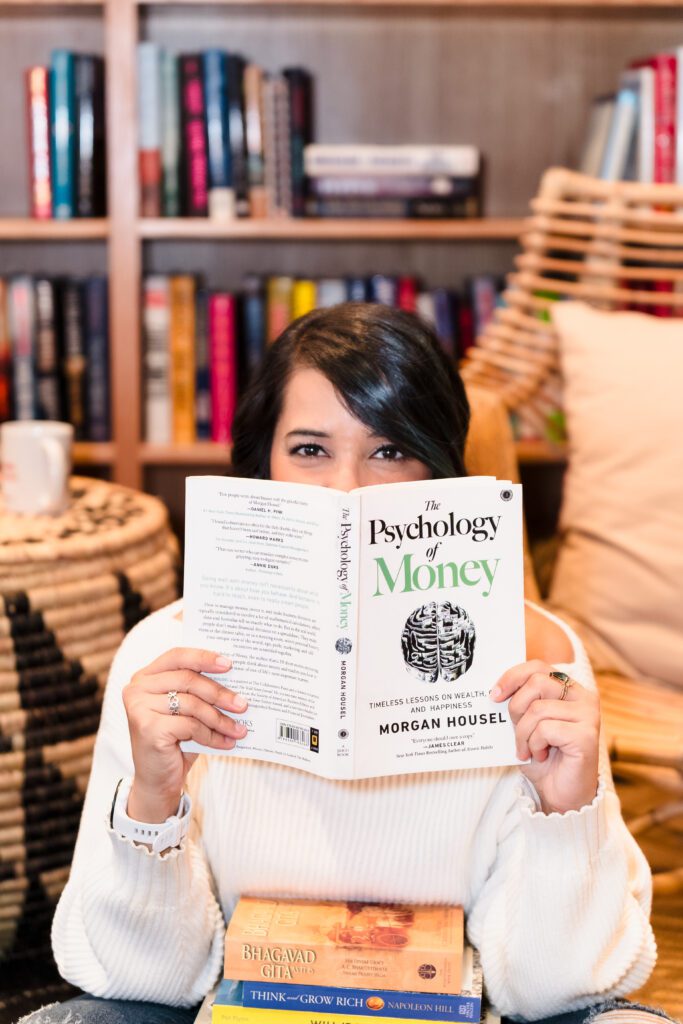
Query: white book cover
pixel 621 133
pixel 156 322
pixel 599 121
pixel 149 96
pixel 366 629
pixel 456 161
pixel 645 129
pixel 330 291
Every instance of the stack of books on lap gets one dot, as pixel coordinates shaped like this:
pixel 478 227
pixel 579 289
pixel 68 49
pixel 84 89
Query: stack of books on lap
pixel 304 962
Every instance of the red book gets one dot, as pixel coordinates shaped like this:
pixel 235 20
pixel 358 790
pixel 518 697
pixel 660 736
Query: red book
pixel 39 142
pixel 195 153
pixel 407 294
pixel 222 365
pixel 664 66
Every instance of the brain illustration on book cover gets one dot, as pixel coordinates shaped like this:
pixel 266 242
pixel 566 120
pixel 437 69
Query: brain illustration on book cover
pixel 438 641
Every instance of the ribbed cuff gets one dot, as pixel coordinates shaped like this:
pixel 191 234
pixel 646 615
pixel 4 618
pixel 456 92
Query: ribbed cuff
pixel 147 878
pixel 555 835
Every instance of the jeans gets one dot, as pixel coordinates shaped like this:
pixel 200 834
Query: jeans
pixel 90 1010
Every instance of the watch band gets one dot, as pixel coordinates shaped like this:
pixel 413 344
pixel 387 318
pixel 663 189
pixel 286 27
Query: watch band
pixel 161 835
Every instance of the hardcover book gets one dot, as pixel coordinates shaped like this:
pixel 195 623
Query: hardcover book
pixel 63 133
pixel 367 628
pixel 194 143
pixel 395 946
pixel 149 128
pixel 39 142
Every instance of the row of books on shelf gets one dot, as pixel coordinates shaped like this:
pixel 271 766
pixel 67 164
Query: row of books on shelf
pixel 66 136
pixel 635 133
pixel 299 962
pixel 54 352
pixel 200 346
pixel 221 137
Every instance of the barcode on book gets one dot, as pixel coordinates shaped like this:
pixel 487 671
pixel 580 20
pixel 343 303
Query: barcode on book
pixel 293 733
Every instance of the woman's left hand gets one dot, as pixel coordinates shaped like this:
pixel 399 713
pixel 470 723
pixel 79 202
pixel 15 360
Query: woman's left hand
pixel 559 735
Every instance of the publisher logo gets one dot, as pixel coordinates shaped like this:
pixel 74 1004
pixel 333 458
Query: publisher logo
pixel 427 971
pixel 343 734
pixel 374 1003
pixel 506 495
pixel 343 645
pixel 314 744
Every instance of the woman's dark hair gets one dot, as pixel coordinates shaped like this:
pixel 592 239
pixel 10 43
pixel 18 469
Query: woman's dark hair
pixel 388 369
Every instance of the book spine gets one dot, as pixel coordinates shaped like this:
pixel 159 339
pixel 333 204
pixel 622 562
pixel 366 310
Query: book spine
pixel 238 146
pixel 377 206
pixel 279 306
pixel 254 132
pixel 269 147
pixel 330 292
pixel 304 298
pixel 416 186
pixel 457 161
pixel 300 87
pixel 182 334
pixel 406 294
pixel 74 356
pixel 95 302
pixel 443 317
pixel 5 356
pixel 193 116
pixel 356 289
pixel 202 368
pixel 383 289
pixel 63 134
pixel 21 317
pixel 359 1002
pixel 283 150
pixel 226 1014
pixel 90 171
pixel 223 363
pixel 157 359
pixel 48 356
pixel 665 118
pixel 149 128
pixel 221 201
pixel 253 328
pixel 170 136
pixel 39 142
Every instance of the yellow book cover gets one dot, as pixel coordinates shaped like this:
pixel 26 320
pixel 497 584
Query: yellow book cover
pixel 182 345
pixel 304 297
pixel 394 946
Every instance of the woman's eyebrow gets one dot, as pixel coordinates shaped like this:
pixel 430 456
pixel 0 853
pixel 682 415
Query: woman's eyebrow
pixel 308 433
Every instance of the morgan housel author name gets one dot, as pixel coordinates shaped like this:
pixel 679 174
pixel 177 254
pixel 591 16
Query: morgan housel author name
pixel 452 722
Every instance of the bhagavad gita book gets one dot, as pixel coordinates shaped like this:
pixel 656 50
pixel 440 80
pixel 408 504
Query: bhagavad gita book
pixel 366 629
pixel 368 945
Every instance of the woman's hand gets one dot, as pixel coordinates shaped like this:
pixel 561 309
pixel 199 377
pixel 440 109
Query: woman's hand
pixel 156 732
pixel 559 735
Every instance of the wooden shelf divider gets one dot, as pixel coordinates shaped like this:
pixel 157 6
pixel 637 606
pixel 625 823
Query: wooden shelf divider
pixel 28 229
pixel 331 229
pixel 91 453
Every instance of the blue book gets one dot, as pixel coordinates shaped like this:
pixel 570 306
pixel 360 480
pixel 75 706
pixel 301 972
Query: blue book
pixel 622 135
pixel 63 133
pixel 384 289
pixel 252 336
pixel 444 321
pixel 96 319
pixel 356 289
pixel 221 194
pixel 361 1002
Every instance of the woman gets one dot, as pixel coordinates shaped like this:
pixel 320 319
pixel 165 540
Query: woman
pixel 555 890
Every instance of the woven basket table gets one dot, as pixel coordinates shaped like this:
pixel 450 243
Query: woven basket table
pixel 71 586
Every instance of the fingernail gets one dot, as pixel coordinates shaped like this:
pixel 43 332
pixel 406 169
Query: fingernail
pixel 223 661
pixel 242 729
pixel 496 692
pixel 239 702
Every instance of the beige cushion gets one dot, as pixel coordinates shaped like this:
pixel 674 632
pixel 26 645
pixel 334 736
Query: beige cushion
pixel 619 572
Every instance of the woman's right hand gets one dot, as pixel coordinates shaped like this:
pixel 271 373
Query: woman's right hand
pixel 160 764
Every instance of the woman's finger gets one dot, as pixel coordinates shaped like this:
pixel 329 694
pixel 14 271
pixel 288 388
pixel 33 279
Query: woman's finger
pixel 183 728
pixel 540 686
pixel 540 711
pixel 193 707
pixel 194 658
pixel 188 681
pixel 551 732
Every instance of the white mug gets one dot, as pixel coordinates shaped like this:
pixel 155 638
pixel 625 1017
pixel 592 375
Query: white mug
pixel 36 463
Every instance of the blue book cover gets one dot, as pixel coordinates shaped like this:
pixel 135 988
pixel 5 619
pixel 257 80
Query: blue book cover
pixel 384 289
pixel 443 314
pixel 356 289
pixel 96 319
pixel 252 337
pixel 214 63
pixel 63 133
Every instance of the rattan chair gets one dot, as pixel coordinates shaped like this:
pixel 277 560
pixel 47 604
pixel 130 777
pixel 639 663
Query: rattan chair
pixel 614 245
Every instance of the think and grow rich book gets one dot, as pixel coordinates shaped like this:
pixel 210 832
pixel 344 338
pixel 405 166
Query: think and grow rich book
pixel 366 629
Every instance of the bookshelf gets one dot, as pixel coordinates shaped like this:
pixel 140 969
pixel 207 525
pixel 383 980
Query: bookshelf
pixel 513 78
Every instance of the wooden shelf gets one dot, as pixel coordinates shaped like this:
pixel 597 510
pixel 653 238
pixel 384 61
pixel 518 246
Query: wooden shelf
pixel 27 229
pixel 89 453
pixel 202 453
pixel 331 229
pixel 51 3
pixel 510 5
pixel 541 452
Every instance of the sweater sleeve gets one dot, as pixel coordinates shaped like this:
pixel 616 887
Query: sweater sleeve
pixel 131 924
pixel 561 910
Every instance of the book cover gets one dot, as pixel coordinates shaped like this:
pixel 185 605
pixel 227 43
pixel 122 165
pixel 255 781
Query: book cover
pixel 356 289
pixel 21 318
pixel 182 348
pixel 202 367
pixel 282 146
pixel 408 608
pixel 278 305
pixel 74 356
pixel 39 142
pixel 170 136
pixel 195 168
pixel 599 121
pixel 223 365
pixel 385 186
pixel 406 293
pixel 270 173
pixel 622 131
pixel 63 133
pixel 304 297
pixel 642 81
pixel 48 355
pixel 300 86
pixel 444 323
pixel 5 356
pixel 330 291
pixel 253 124
pixel 149 128
pixel 384 289
pixel 221 192
pixel 236 129
pixel 96 319
pixel 357 159
pixel 90 136
pixel 251 342
pixel 433 207
pixel 665 84
pixel 156 359
pixel 399 946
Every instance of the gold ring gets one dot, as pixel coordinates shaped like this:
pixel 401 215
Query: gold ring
pixel 563 678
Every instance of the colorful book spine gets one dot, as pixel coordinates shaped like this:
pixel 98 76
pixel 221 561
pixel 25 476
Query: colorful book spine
pixel 252 335
pixel 278 306
pixel 21 317
pixel 221 201
pixel 253 123
pixel 193 119
pixel 170 136
pixel 39 142
pixel 96 319
pixel 156 320
pixel 5 356
pixel 304 298
pixel 282 146
pixel 356 289
pixel 202 368
pixel 456 161
pixel 443 319
pixel 47 354
pixel 383 289
pixel 406 294
pixel 223 364
pixel 300 86
pixel 63 133
pixel 415 186
pixel 665 85
pixel 182 342
pixel 74 356
pixel 238 145
pixel 90 153
pixel 149 128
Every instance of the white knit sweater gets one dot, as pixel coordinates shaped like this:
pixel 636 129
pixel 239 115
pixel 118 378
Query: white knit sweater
pixel 558 905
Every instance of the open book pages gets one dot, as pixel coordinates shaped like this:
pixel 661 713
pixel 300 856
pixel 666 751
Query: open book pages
pixel 366 629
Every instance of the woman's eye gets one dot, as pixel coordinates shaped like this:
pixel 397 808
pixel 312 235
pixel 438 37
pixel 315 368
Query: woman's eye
pixel 389 452
pixel 307 450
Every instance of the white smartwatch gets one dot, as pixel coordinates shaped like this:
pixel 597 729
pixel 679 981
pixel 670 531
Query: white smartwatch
pixel 160 836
